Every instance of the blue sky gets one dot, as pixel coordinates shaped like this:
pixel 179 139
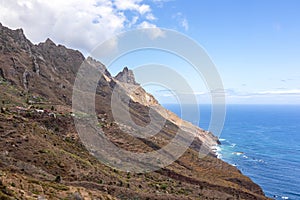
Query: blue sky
pixel 255 45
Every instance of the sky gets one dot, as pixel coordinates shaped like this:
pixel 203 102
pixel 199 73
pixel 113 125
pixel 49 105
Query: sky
pixel 255 45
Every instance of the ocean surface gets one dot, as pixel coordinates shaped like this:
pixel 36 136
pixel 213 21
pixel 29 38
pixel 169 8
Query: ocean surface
pixel 263 141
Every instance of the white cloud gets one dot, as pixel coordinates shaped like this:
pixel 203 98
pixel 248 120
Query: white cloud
pixel 185 24
pixel 169 91
pixel 144 9
pixel 146 24
pixel 134 5
pixel 266 93
pixel 76 23
pixel 150 17
pixel 284 96
pixel 160 3
pixel 133 21
pixel 181 19
pixel 280 92
pixel 154 32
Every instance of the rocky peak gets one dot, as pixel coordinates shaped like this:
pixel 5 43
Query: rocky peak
pixel 49 42
pixel 11 40
pixel 96 64
pixel 62 59
pixel 126 76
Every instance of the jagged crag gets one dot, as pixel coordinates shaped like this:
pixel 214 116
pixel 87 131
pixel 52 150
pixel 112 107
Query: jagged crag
pixel 42 156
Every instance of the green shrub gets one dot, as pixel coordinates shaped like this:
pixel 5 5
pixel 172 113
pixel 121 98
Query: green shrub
pixel 163 186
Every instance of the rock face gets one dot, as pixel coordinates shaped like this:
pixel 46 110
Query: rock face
pixel 126 76
pixel 43 157
pixel 45 69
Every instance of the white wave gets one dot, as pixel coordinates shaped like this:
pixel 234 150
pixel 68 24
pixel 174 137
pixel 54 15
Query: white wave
pixel 222 139
pixel 219 155
pixel 238 153
pixel 217 150
pixel 233 145
pixel 258 160
pixel 284 197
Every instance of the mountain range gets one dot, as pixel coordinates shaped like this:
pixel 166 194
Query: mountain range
pixel 43 157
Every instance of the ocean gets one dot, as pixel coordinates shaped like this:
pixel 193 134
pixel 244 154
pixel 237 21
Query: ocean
pixel 263 141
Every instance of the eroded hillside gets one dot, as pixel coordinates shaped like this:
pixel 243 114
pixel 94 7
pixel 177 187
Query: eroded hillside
pixel 43 157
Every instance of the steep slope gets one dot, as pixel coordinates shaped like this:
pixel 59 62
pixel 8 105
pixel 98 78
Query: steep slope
pixel 43 157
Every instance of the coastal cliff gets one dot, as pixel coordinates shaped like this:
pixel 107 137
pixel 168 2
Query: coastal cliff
pixel 43 157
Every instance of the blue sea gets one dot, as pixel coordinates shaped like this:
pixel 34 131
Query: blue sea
pixel 263 141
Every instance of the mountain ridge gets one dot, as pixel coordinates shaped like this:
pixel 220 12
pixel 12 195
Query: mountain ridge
pixel 42 155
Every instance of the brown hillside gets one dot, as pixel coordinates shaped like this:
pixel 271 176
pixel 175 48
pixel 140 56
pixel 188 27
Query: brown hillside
pixel 42 156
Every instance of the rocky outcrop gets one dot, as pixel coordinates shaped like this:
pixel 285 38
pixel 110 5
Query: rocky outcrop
pixel 36 67
pixel 46 69
pixel 14 40
pixel 126 76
